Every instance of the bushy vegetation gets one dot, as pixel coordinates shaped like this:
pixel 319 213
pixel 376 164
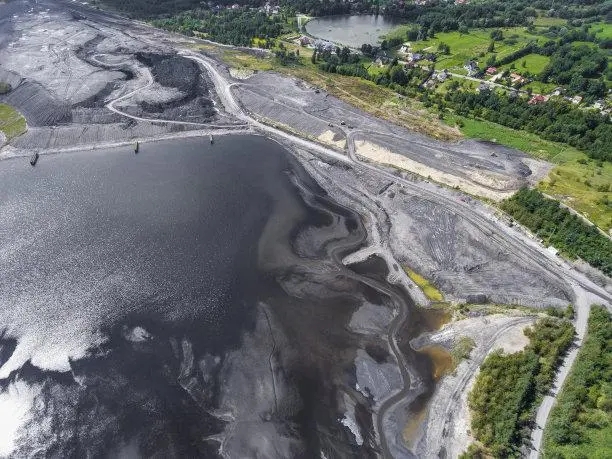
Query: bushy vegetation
pixel 12 123
pixel 508 385
pixel 462 349
pixel 5 87
pixel 235 27
pixel 580 424
pixel 559 227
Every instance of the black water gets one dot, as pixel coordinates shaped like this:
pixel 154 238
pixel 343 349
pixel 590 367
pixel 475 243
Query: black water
pixel 94 243
pixel 142 296
pixel 170 232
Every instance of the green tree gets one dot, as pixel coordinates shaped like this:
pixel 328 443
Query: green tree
pixel 398 75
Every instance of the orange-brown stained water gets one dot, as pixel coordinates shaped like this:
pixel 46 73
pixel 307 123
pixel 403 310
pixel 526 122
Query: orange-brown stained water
pixel 442 361
pixel 431 319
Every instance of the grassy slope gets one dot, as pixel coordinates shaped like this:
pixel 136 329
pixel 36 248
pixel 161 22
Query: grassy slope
pixel 12 123
pixel 567 180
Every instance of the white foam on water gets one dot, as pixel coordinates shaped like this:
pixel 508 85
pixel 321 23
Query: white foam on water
pixel 48 351
pixel 15 410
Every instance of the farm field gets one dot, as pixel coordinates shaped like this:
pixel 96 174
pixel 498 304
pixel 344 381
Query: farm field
pixel 532 63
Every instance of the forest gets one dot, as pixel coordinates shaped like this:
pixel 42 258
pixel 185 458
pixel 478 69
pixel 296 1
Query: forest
pixel 437 16
pixel 558 227
pixel 235 27
pixel 580 424
pixel 508 387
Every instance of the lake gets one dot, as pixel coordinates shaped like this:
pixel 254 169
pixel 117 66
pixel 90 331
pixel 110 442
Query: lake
pixel 164 303
pixel 352 31
pixel 160 303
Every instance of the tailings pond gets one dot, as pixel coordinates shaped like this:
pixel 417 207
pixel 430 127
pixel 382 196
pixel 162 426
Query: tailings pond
pixel 183 299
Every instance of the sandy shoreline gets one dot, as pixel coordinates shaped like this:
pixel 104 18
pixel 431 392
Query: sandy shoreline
pixel 491 183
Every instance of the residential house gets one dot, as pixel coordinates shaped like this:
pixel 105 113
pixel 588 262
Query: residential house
pixel 430 83
pixel 323 45
pixel 483 86
pixel 599 104
pixel 382 60
pixel 442 76
pixel 471 67
pixel 305 41
pixel 557 92
pixel 491 71
pixel 515 78
pixel 576 100
pixel 537 99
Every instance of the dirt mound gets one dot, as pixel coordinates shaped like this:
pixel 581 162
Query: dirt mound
pixel 38 106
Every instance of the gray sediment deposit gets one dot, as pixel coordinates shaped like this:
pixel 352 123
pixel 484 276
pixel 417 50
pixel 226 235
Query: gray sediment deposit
pixel 317 353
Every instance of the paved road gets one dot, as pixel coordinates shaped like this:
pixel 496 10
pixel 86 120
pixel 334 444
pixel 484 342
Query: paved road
pixel 583 303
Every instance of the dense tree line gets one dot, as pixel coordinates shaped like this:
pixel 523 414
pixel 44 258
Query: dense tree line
pixel 578 68
pixel 555 120
pixel 560 228
pixel 585 402
pixel 508 385
pixel 437 16
pixel 235 27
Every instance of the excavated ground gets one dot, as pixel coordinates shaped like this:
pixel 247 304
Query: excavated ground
pixel 83 78
pixel 65 68
pixel 481 168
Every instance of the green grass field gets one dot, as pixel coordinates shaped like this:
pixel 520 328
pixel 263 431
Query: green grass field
pixel 12 123
pixel 579 186
pixel 544 21
pixel 474 45
pixel 532 63
pixel 575 184
pixel 540 88
pixel 601 29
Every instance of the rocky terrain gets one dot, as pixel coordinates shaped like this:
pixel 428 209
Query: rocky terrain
pixel 65 69
pixel 85 79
